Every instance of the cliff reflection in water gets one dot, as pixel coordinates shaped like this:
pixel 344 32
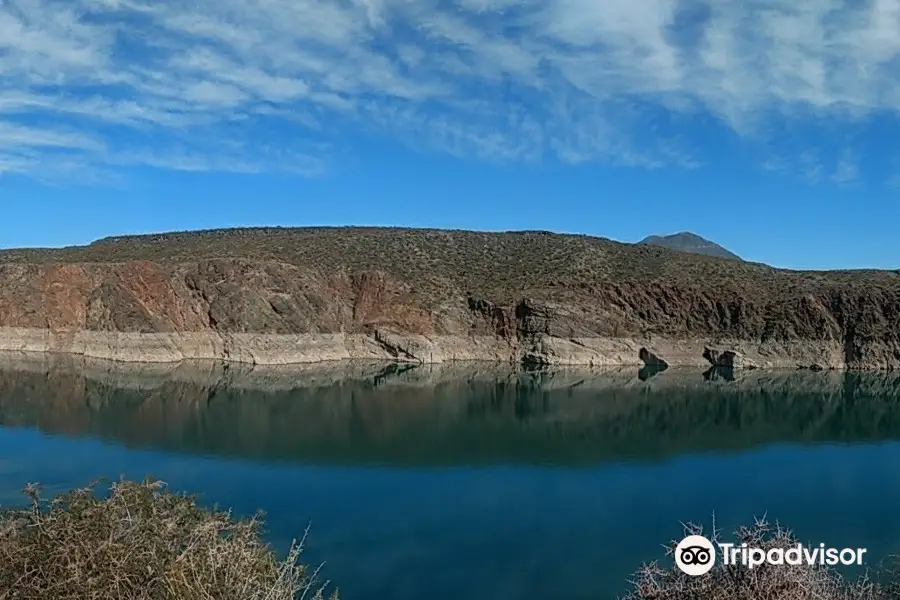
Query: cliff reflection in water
pixel 440 415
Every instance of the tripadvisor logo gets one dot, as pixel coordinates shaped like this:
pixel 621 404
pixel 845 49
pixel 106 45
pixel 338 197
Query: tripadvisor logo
pixel 696 555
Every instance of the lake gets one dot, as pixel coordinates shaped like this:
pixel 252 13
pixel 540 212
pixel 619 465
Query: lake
pixel 472 480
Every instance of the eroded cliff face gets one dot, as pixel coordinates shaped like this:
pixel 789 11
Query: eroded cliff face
pixel 272 311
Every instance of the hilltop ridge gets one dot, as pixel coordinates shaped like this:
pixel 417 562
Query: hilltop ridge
pixel 280 295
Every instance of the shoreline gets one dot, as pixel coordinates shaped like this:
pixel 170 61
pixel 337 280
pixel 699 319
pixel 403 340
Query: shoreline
pixel 282 378
pixel 389 346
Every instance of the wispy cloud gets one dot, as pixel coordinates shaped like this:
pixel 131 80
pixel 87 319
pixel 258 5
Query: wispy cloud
pixel 846 171
pixel 260 85
pixel 811 167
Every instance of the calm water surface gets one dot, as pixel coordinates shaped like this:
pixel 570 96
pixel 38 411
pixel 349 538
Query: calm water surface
pixel 472 481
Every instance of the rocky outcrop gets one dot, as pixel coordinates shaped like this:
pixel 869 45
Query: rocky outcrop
pixel 727 359
pixel 298 296
pixel 651 358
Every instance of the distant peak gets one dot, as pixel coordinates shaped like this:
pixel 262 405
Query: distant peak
pixel 686 241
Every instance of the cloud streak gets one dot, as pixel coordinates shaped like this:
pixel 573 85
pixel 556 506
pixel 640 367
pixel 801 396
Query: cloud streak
pixel 263 85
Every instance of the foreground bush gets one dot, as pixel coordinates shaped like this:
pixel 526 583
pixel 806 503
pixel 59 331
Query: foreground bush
pixel 141 542
pixel 766 582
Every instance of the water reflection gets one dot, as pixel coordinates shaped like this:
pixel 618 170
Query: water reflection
pixel 650 451
pixel 460 415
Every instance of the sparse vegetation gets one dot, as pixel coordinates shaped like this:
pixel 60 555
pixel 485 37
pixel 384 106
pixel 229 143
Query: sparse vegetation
pixel 515 286
pixel 141 542
pixel 766 582
pixel 498 265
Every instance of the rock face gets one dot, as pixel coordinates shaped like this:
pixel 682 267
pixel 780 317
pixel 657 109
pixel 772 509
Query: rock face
pixel 278 296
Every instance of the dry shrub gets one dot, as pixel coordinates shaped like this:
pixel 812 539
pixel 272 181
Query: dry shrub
pixel 765 582
pixel 141 542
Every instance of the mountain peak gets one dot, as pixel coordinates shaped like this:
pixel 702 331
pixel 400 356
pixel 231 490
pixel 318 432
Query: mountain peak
pixel 685 241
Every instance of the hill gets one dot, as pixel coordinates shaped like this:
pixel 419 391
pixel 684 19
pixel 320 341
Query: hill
pixel 689 242
pixel 279 295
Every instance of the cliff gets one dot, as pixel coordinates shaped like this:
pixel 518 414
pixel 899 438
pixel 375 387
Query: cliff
pixel 275 296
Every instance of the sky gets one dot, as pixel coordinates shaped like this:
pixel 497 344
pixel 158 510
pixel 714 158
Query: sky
pixel 768 126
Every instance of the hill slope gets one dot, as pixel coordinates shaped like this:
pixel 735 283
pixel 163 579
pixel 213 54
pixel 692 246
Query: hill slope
pixel 689 242
pixel 297 295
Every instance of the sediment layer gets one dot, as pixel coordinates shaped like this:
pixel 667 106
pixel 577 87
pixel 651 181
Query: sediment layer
pixel 286 349
pixel 421 296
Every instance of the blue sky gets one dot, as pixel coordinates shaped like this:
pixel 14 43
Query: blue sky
pixel 764 125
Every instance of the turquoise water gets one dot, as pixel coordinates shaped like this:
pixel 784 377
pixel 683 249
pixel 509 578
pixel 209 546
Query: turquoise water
pixel 474 482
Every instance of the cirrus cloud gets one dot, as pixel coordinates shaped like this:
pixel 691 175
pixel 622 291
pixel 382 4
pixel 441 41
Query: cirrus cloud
pixel 282 85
